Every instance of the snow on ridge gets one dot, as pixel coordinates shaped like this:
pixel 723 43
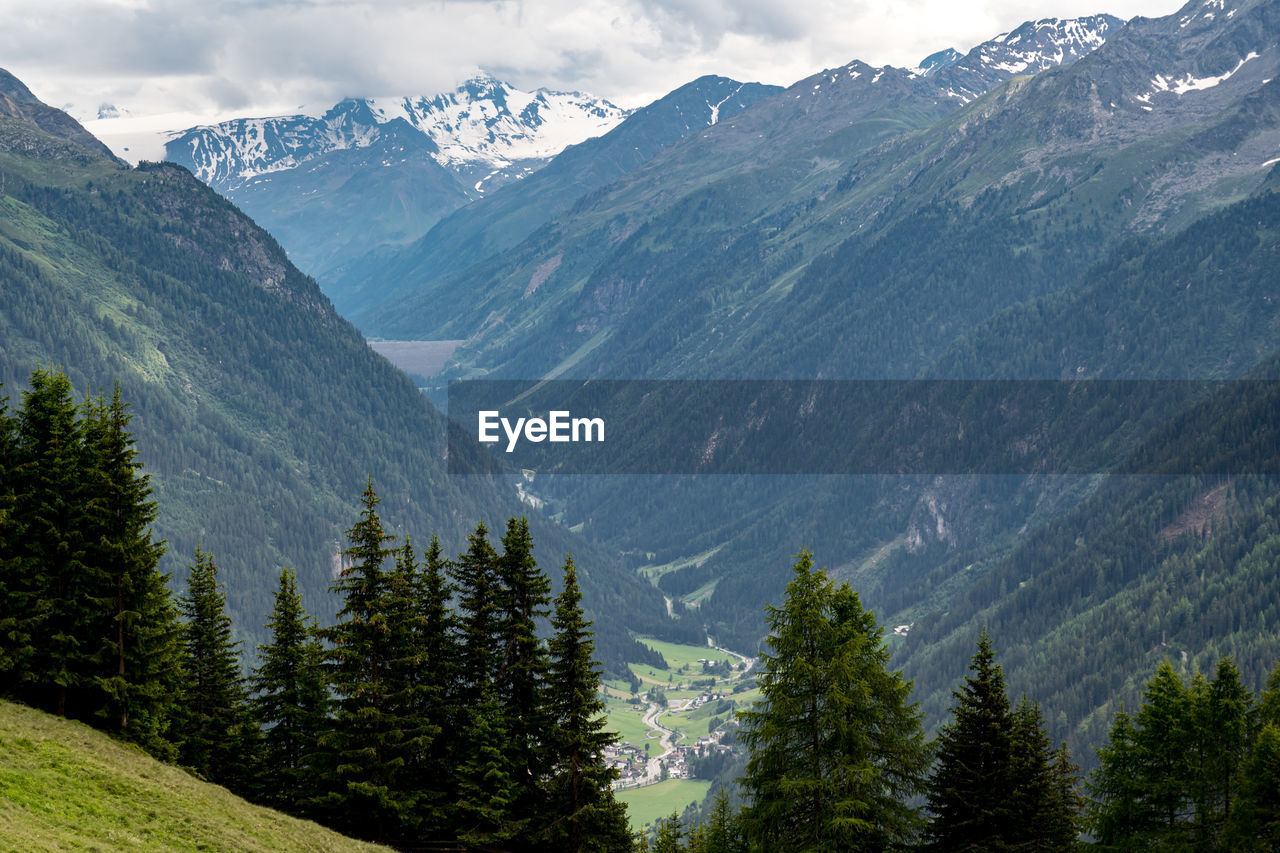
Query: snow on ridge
pixel 484 122
pixel 1182 85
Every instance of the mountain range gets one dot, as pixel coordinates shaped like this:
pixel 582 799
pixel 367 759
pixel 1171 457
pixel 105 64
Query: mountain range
pixel 259 412
pixel 1071 200
pixel 1078 222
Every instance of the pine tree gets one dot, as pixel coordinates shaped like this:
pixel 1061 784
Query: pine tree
pixel 485 811
pixel 290 702
pixel 368 741
pixel 836 747
pixel 668 835
pixel 476 579
pixel 137 659
pixel 973 789
pixel 49 634
pixel 436 780
pixel 14 642
pixel 1223 719
pixel 523 595
pixel 581 812
pixel 1045 804
pixel 1064 816
pixel 213 717
pixel 411 698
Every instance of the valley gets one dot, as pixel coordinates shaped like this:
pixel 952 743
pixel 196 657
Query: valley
pixel 285 305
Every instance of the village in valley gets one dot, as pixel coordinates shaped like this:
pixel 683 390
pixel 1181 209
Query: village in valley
pixel 677 725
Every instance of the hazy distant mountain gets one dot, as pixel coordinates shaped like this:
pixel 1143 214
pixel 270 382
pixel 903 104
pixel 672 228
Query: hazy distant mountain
pixel 504 218
pixel 373 172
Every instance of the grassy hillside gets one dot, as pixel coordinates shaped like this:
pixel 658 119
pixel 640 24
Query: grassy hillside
pixel 65 786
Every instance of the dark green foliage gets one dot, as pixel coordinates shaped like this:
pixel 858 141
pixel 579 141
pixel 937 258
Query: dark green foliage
pixel 87 627
pixel 137 656
pixel 373 736
pixel 999 784
pixel 476 578
pixel 1188 771
pixel 438 687
pixel 486 811
pixel 52 590
pixel 668 835
pixel 1256 820
pixel 972 791
pixel 722 832
pixel 583 814
pixel 212 718
pixel 837 749
pixel 290 701
pixel 523 598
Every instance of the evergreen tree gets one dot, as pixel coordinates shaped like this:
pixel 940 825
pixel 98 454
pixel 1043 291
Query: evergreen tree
pixel 1255 823
pixel 1164 752
pixel 213 718
pixel 722 832
pixel 290 701
pixel 1045 803
pixel 973 792
pixel 836 748
pixel 524 593
pixel 411 698
pixel 368 740
pixel 485 811
pixel 50 630
pixel 1225 721
pixel 476 579
pixel 1064 816
pixel 581 812
pixel 436 780
pixel 1119 812
pixel 668 835
pixel 137 659
pixel 9 566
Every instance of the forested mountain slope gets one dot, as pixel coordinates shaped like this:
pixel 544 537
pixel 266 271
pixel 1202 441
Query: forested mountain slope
pixel 259 411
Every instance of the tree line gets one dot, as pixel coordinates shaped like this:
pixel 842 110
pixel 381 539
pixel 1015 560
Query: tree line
pixel 453 702
pixel 838 759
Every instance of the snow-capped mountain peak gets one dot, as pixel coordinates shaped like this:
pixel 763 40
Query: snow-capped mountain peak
pixel 484 128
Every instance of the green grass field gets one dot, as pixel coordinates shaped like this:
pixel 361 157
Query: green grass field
pixel 645 805
pixel 626 721
pixel 64 786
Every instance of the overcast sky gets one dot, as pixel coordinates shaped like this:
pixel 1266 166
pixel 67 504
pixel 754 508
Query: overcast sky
pixel 259 57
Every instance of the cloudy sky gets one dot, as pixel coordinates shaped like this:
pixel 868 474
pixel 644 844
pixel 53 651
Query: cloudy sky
pixel 261 57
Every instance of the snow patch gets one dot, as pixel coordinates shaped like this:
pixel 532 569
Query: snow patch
pixel 1180 86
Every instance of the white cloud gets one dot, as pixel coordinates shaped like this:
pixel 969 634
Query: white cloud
pixel 260 57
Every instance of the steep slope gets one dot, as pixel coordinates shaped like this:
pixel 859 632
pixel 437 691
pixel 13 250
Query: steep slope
pixel 1083 610
pixel 504 218
pixel 769 166
pixel 16 101
pixel 259 411
pixel 883 254
pixel 1008 200
pixel 66 786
